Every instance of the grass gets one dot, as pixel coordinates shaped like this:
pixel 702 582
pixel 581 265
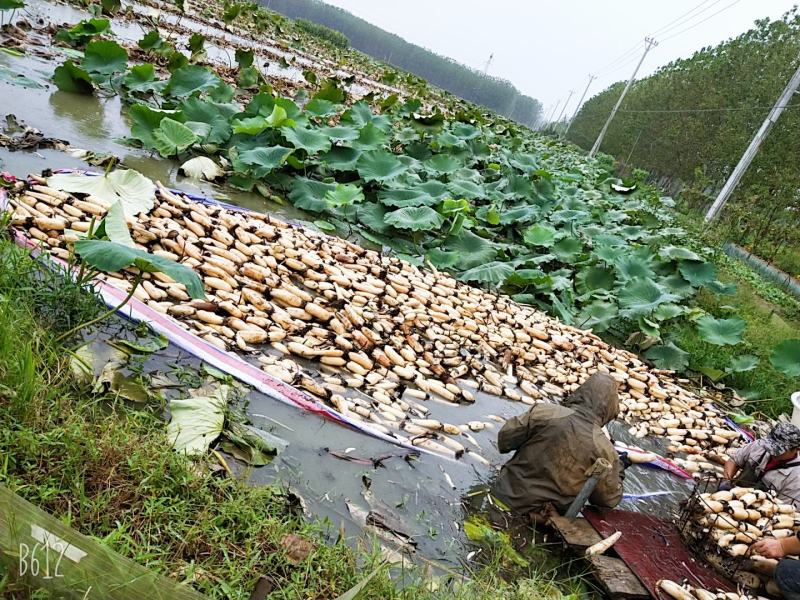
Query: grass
pixel 106 470
pixel 772 316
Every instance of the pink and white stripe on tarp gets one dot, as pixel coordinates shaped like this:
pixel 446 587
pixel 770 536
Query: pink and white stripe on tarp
pixel 233 365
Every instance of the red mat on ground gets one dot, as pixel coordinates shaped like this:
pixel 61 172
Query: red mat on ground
pixel 653 550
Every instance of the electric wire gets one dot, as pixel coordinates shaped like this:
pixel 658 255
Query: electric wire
pixel 684 18
pixel 627 55
pixel 724 8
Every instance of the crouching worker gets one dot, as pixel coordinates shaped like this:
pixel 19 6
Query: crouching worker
pixel 769 463
pixel 554 447
pixel 787 573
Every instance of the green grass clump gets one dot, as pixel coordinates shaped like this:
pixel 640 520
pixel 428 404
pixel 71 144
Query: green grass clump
pixel 107 470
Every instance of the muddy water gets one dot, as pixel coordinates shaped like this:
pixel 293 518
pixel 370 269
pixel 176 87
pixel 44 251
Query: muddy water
pixel 416 492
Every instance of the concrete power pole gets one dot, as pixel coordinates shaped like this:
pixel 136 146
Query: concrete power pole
pixel 488 62
pixel 648 44
pixel 561 114
pixel 555 108
pixel 578 107
pixel 755 144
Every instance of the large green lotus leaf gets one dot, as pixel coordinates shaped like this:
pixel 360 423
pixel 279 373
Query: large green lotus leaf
pixel 415 218
pixel 255 125
pixel 195 423
pixel 494 273
pixel 309 194
pixel 462 188
pixel 473 250
pixel 71 78
pixel 136 192
pixel 678 253
pixel 372 215
pixel 111 257
pixel 331 92
pixel 104 57
pixel 142 78
pixel 443 163
pixel 191 79
pixel 596 278
pixel 370 136
pixel 172 137
pixel 633 267
pixel 340 133
pixel 526 277
pixel 216 115
pixel 597 316
pixel 743 363
pixel 668 356
pixel 633 232
pixel 612 254
pixel 435 189
pixel 320 108
pixel 677 285
pixel 642 296
pixel 465 131
pixel 665 312
pixel 402 197
pixel 721 332
pixel 608 239
pixel 567 249
pixel 379 165
pixel 540 235
pixel 146 120
pixel 310 140
pixel 442 259
pixel 261 161
pixel 786 358
pixel 341 158
pixel 519 186
pixel 698 272
pixel 344 194
pixel 524 162
pixel 360 114
pixel 448 140
pixel 520 214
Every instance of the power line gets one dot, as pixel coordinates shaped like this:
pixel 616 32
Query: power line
pixel 685 17
pixel 702 110
pixel 632 52
pixel 724 8
pixel 630 61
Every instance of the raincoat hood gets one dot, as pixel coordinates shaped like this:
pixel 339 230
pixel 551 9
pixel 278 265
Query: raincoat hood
pixel 596 399
pixel 554 446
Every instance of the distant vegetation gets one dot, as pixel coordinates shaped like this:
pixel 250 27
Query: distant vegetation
pixel 495 93
pixel 334 37
pixel 729 88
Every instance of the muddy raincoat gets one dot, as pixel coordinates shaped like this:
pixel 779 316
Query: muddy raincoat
pixel 554 447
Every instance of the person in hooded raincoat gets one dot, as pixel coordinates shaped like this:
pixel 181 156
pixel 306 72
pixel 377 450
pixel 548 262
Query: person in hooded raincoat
pixel 554 445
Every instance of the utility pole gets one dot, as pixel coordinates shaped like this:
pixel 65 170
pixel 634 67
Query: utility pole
pixel 488 62
pixel 561 114
pixel 552 114
pixel 648 44
pixel 578 107
pixel 755 144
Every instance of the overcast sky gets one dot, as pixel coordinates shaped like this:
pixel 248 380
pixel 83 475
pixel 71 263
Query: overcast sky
pixel 549 48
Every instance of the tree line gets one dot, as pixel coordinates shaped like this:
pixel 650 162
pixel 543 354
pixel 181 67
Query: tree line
pixel 495 93
pixel 691 121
